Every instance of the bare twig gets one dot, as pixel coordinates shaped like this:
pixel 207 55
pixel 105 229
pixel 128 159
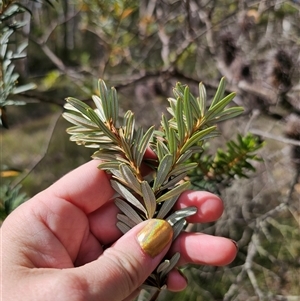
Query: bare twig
pixel 254 246
pixel 274 137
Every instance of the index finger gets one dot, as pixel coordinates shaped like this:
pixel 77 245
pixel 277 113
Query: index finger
pixel 87 187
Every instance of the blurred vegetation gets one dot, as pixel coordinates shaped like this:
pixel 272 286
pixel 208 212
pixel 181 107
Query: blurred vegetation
pixel 143 48
pixel 226 165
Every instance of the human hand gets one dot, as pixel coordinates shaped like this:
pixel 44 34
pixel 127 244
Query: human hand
pixel 63 244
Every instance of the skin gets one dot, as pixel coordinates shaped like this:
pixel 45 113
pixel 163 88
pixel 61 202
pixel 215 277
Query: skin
pixel 63 243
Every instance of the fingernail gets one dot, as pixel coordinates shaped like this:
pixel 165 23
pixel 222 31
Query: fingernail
pixel 236 245
pixel 182 275
pixel 155 236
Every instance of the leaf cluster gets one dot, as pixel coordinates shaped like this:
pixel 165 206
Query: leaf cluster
pixel 226 165
pixel 121 146
pixel 121 149
pixel 9 24
pixel 10 198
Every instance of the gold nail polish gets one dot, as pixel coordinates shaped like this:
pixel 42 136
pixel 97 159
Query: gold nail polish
pixel 155 236
pixel 236 244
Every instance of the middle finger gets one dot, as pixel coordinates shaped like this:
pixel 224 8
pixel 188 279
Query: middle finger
pixel 103 221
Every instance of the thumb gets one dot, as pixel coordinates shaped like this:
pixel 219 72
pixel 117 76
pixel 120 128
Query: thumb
pixel 122 268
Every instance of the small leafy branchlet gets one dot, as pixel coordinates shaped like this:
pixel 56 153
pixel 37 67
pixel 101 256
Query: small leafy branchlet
pixel 224 166
pixel 121 148
pixel 9 25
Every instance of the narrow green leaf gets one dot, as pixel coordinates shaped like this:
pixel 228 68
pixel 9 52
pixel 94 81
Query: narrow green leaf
pixel 174 192
pixel 173 143
pixel 138 135
pixel 78 120
pixel 171 112
pixel 178 90
pixel 172 108
pixel 22 47
pixel 229 113
pixel 98 102
pixel 129 177
pixel 109 165
pixel 159 150
pixel 9 76
pixel 178 227
pixel 149 198
pixel 126 220
pixel 172 124
pixel 4 39
pixel 82 142
pixel 142 146
pixel 128 196
pixel 102 89
pixel 23 88
pixel 104 154
pixel 220 92
pixel 172 263
pixel 196 113
pixel 129 123
pixel 213 111
pixel 101 115
pixel 188 110
pixel 165 125
pixel 180 214
pixel 167 206
pixel 122 227
pixel 163 266
pixel 69 107
pixel 183 168
pixel 162 150
pixel 128 210
pixel 174 181
pixel 163 170
pixel 117 175
pixel 100 140
pixel 94 117
pixel 114 105
pixel 17 56
pixel 77 129
pixel 79 105
pixel 97 136
pixel 209 136
pixel 125 146
pixel 197 137
pixel 181 128
pixel 104 99
pixel 188 153
pixel 202 99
